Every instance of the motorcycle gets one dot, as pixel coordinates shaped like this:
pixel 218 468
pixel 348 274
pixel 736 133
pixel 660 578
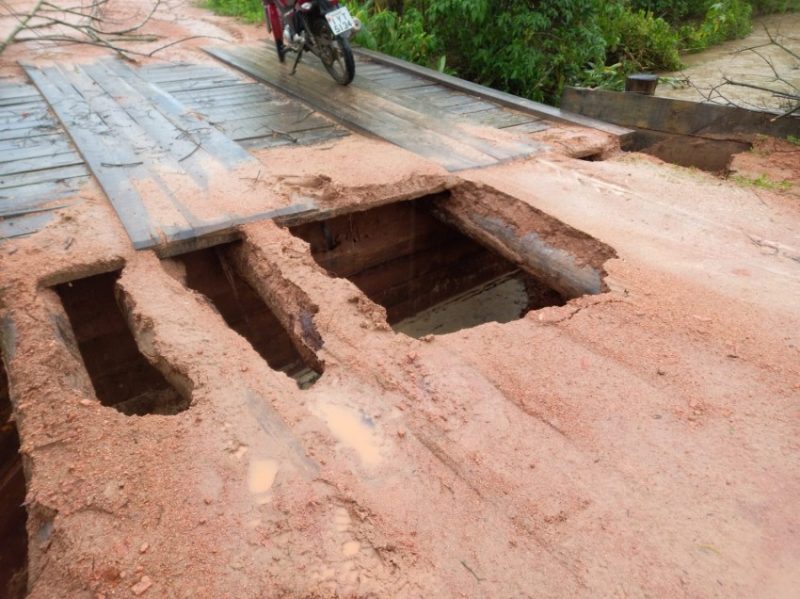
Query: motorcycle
pixel 321 27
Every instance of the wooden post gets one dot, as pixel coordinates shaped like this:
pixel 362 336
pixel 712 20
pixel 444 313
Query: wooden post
pixel 641 83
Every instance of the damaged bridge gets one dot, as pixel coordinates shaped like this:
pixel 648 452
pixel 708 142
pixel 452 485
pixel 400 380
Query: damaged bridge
pixel 267 336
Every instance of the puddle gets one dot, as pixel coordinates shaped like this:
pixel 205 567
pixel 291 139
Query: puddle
pixel 501 300
pixel 121 376
pixel 261 476
pixel 351 548
pixel 353 429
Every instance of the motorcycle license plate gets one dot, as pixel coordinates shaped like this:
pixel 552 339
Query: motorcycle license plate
pixel 340 20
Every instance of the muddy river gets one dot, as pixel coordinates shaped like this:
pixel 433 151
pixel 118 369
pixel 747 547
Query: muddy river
pixel 747 61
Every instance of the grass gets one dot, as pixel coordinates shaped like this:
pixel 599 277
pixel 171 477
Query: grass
pixel 250 11
pixel 763 182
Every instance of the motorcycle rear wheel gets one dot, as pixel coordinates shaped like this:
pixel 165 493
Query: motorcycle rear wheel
pixel 334 52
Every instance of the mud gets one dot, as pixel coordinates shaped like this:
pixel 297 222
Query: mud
pixel 640 439
pixel 212 273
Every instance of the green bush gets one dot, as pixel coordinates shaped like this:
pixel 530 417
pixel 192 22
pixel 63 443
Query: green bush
pixel 638 40
pixel 405 36
pixel 672 11
pixel 528 49
pixel 765 7
pixel 725 20
pixel 533 48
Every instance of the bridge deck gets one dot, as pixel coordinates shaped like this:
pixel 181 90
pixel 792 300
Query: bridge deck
pixel 169 142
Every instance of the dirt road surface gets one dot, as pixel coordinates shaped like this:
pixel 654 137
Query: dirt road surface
pixel 638 442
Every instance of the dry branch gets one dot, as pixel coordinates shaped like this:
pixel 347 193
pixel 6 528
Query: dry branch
pixel 779 87
pixel 50 22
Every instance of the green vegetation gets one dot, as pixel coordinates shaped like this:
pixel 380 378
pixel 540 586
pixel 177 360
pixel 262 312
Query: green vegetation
pixel 251 11
pixel 763 182
pixel 533 49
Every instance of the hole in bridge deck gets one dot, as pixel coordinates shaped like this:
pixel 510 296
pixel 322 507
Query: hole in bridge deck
pixel 430 277
pixel 210 273
pixel 13 516
pixel 122 377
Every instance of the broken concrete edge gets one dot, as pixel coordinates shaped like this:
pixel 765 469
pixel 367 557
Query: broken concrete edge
pixel 509 100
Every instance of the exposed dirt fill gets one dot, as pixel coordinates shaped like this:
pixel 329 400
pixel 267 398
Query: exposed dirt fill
pixel 211 273
pixel 410 262
pixel 121 376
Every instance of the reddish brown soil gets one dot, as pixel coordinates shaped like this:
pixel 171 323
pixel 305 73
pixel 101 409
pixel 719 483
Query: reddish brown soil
pixel 642 442
pixel 771 164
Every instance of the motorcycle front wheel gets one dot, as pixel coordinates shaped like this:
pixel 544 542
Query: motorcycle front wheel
pixel 334 52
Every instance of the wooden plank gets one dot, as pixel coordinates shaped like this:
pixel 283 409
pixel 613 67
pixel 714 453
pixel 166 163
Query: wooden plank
pixel 373 69
pixel 24 225
pixel 38 163
pixel 38 141
pixel 395 80
pixel 493 95
pixel 131 134
pixel 448 99
pixel 8 182
pixel 44 121
pixel 259 109
pixel 232 103
pixel 182 74
pixel 424 91
pixel 678 116
pixel 9 212
pixel 38 194
pixel 28 152
pixel 470 107
pixel 16 91
pixel 299 120
pixel 416 84
pixel 358 111
pixel 532 127
pixel 414 125
pixel 300 138
pixel 23 110
pixel 246 90
pixel 501 117
pixel 162 135
pixel 197 84
pixel 95 139
pixel 224 150
pixel 7 102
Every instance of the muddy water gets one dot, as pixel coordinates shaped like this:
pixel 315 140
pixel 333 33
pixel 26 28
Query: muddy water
pixel 501 300
pixel 734 61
